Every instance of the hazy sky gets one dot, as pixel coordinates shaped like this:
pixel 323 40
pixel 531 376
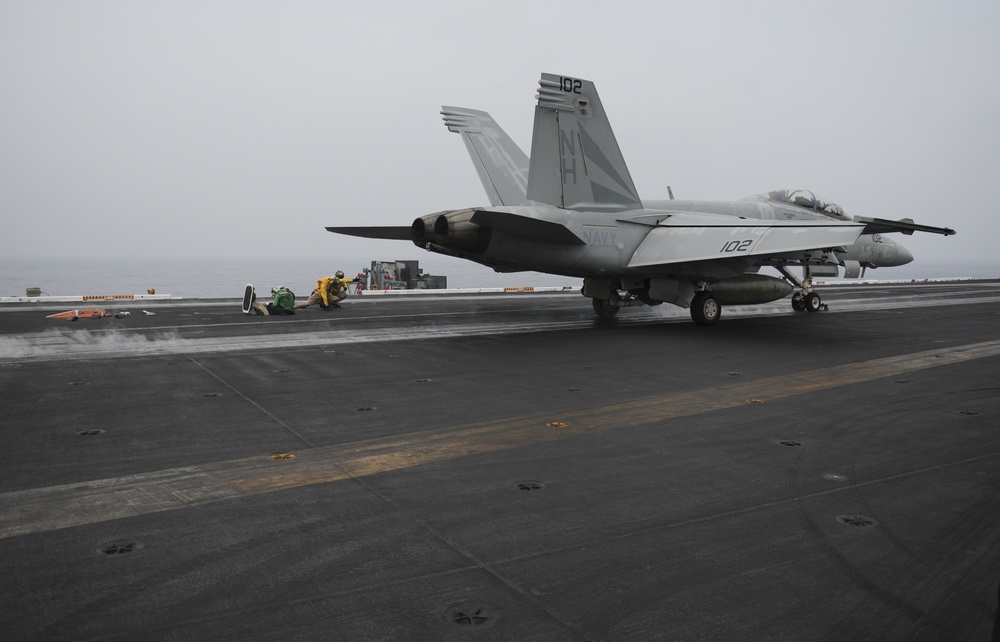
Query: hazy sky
pixel 233 128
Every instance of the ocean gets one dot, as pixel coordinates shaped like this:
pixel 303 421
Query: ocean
pixel 226 278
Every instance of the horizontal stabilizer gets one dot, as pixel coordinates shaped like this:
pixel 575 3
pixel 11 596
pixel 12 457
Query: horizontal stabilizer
pixel 390 232
pixel 526 227
pixel 906 226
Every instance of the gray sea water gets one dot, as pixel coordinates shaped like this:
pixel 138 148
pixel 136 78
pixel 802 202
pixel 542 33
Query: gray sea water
pixel 224 278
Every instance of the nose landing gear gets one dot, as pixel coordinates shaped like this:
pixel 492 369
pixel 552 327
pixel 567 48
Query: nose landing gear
pixel 806 299
pixel 810 302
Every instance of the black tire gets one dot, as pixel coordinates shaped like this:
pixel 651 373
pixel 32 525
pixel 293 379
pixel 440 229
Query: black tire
pixel 812 302
pixel 705 309
pixel 604 308
pixel 798 304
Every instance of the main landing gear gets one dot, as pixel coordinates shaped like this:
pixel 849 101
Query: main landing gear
pixel 605 308
pixel 608 308
pixel 705 308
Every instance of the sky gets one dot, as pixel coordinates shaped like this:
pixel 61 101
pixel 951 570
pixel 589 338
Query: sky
pixel 227 129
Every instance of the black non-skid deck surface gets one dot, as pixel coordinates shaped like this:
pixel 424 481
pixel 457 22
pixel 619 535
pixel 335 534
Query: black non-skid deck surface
pixel 505 468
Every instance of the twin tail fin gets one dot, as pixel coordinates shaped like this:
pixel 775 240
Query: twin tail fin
pixel 575 159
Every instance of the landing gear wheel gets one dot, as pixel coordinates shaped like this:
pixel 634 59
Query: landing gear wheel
pixel 798 304
pixel 705 308
pixel 812 302
pixel 604 308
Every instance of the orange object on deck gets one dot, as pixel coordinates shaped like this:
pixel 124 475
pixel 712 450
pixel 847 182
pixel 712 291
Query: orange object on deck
pixel 89 313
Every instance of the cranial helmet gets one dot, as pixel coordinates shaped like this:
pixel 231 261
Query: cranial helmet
pixel 340 274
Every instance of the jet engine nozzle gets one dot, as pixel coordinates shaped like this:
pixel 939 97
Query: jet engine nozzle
pixel 452 230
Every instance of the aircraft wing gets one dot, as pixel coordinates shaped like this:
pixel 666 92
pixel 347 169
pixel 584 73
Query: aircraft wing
pixel 905 226
pixel 689 237
pixel 390 232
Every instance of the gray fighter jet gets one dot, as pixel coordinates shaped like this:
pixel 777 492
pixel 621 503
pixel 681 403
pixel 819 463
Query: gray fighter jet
pixel 580 215
pixel 503 170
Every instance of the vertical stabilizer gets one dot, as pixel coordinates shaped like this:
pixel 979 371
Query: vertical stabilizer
pixel 575 158
pixel 500 163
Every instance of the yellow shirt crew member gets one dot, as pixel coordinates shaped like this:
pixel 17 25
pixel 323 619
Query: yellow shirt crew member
pixel 329 292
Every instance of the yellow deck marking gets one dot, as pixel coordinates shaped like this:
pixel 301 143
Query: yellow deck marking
pixel 43 509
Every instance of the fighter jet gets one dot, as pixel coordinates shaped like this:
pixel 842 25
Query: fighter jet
pixel 503 171
pixel 581 216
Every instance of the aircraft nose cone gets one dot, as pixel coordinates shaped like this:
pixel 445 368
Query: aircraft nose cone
pixel 903 255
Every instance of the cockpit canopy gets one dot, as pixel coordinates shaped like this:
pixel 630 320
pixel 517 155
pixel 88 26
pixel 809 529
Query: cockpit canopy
pixel 803 198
